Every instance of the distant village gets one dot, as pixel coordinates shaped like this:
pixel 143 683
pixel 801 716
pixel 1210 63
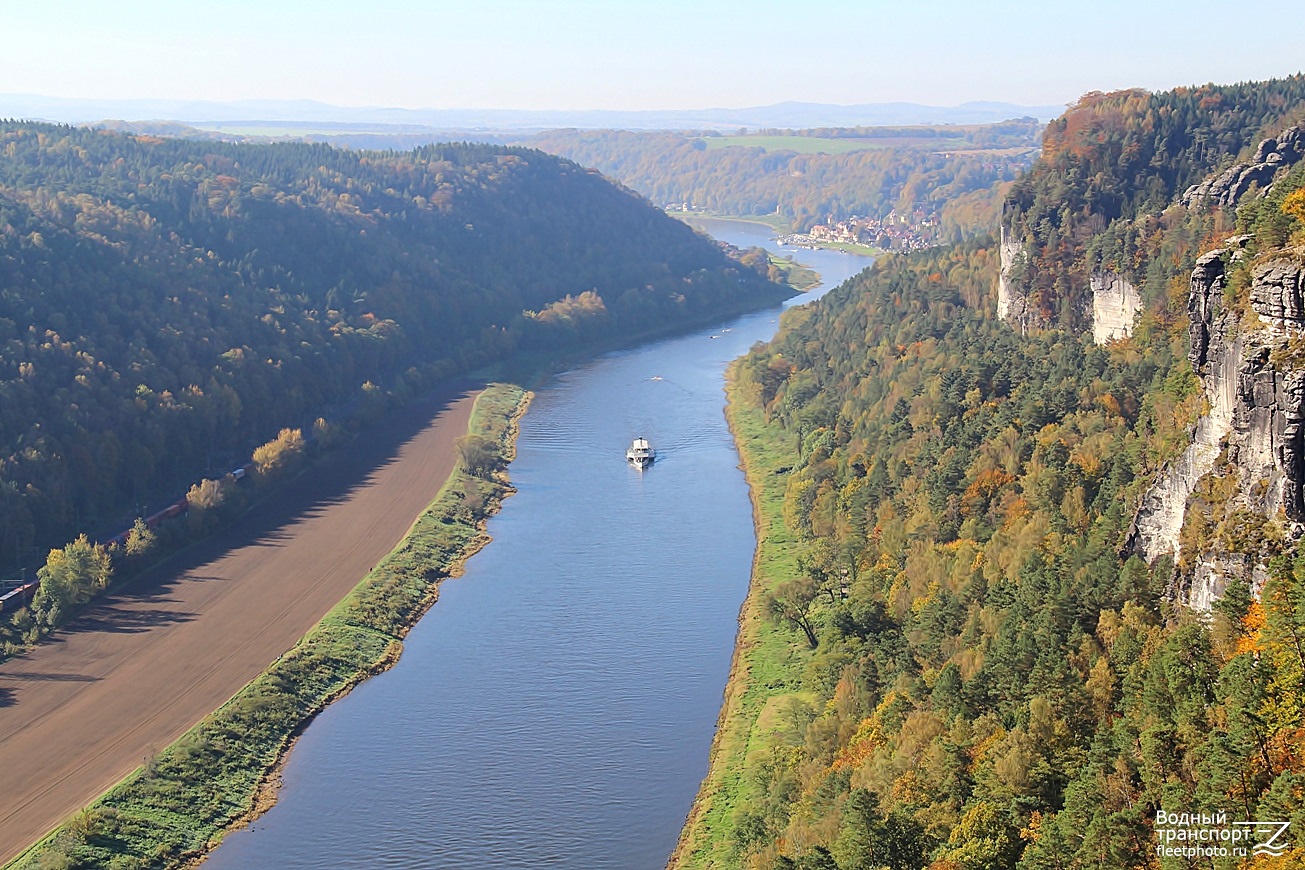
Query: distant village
pixel 894 232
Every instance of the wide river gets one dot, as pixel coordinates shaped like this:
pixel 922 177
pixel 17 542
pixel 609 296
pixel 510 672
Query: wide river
pixel 556 706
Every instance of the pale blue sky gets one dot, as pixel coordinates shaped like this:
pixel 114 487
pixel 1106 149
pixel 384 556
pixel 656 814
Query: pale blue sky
pixel 619 54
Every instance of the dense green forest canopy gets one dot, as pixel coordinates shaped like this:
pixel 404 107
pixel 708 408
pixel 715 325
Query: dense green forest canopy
pixel 895 168
pixel 165 305
pixel 979 675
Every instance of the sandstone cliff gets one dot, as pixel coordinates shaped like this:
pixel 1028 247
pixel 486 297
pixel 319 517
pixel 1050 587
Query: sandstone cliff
pixel 1115 303
pixel 1247 349
pixel 1013 304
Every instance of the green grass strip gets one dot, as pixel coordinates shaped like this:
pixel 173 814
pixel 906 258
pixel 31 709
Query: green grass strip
pixel 221 772
pixel 768 662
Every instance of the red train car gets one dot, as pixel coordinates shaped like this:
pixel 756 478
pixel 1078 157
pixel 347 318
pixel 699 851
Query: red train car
pixel 20 597
pixel 175 509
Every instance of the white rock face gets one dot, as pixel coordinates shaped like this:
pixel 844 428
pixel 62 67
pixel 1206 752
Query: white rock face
pixel 1009 251
pixel 1012 304
pixel 1211 577
pixel 1115 303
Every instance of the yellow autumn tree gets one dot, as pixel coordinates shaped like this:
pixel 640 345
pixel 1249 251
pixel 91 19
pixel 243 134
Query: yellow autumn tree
pixel 71 576
pixel 1294 206
pixel 280 452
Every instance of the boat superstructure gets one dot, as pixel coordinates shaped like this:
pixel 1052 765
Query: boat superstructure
pixel 641 453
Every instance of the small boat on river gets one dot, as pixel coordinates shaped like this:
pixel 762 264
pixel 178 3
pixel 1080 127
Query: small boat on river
pixel 641 453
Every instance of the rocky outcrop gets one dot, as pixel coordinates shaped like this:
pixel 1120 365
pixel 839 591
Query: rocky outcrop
pixel 1253 372
pixel 1271 157
pixel 1013 304
pixel 1276 293
pixel 1211 577
pixel 1115 303
pixel 1215 353
pixel 1203 303
pixel 1270 411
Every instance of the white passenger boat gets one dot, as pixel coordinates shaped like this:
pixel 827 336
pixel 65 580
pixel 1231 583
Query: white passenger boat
pixel 641 453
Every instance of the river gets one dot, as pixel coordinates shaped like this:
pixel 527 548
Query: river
pixel 556 706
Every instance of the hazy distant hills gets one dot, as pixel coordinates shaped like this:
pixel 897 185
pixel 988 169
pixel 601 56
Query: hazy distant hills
pixel 301 112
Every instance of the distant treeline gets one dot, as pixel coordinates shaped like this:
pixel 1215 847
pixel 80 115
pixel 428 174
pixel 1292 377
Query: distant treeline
pixel 1015 133
pixel 679 169
pixel 166 305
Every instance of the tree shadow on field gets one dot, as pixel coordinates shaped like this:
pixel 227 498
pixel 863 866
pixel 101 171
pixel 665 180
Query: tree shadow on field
pixel 39 677
pixel 116 618
pixel 6 696
pixel 331 480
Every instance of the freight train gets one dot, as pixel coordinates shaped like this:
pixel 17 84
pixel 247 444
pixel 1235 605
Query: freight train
pixel 21 596
pixel 153 521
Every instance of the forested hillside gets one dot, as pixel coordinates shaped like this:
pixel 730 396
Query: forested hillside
pixel 812 176
pixel 957 662
pixel 1112 167
pixel 167 305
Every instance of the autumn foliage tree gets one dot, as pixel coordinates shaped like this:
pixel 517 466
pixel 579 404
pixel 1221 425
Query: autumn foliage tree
pixel 280 453
pixel 70 577
pixel 140 540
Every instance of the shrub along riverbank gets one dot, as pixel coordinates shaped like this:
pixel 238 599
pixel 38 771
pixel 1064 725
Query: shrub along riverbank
pixel 221 772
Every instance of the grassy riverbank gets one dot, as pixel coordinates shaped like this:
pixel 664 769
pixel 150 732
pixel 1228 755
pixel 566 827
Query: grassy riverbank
pixel 849 248
pixel 221 772
pixel 766 669
pixel 796 275
pixel 773 221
